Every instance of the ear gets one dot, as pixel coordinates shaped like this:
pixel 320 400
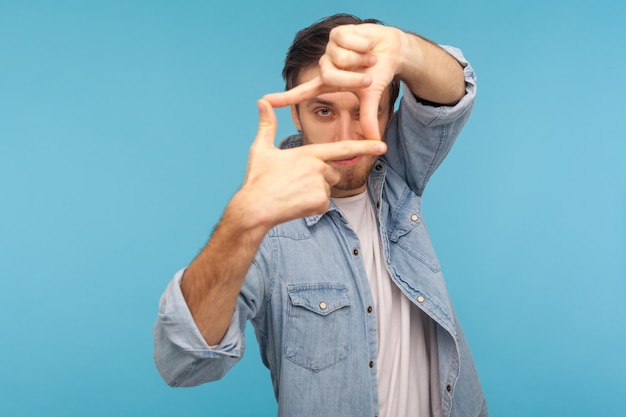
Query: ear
pixel 296 117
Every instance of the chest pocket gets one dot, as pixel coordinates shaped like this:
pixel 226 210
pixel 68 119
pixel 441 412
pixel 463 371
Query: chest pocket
pixel 317 329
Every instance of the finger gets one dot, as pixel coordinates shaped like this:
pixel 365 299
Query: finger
pixel 345 149
pixel 351 37
pixel 331 176
pixel 298 94
pixel 368 116
pixel 267 124
pixel 335 79
pixel 348 59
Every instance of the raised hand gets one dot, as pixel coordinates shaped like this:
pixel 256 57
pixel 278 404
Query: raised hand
pixel 360 58
pixel 286 184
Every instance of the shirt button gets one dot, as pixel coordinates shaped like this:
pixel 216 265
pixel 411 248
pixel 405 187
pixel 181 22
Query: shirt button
pixel 448 387
pixel 356 252
pixel 420 299
pixel 369 309
pixel 378 204
pixel 379 167
pixel 323 305
pixel 372 365
pixel 388 260
pixel 414 217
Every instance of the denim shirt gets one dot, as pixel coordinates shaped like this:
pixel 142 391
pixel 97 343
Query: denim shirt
pixel 308 298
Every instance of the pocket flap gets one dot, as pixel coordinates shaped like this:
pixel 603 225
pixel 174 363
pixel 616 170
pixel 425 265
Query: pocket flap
pixel 406 216
pixel 321 298
pixel 403 225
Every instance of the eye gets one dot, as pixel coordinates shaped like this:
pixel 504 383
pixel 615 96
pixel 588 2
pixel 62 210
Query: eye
pixel 324 112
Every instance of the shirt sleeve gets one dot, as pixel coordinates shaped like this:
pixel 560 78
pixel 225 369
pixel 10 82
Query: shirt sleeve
pixel 181 354
pixel 421 135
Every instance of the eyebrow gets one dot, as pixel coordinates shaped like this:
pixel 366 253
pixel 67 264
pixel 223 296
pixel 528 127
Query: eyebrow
pixel 317 100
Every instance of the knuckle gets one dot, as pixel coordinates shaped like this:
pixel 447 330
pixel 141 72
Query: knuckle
pixel 315 166
pixel 335 32
pixel 321 201
pixel 343 60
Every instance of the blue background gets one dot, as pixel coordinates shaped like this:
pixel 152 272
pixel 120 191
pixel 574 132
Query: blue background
pixel 124 130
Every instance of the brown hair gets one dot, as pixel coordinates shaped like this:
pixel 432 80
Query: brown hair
pixel 309 45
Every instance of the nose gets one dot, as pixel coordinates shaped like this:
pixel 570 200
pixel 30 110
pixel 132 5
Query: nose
pixel 349 128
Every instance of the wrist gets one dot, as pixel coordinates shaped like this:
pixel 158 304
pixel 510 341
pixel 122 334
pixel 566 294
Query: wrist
pixel 411 56
pixel 249 214
pixel 430 72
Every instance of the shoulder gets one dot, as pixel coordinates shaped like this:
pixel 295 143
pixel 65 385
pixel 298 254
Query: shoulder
pixel 292 141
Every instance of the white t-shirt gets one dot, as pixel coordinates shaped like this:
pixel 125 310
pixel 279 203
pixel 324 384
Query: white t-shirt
pixel 408 371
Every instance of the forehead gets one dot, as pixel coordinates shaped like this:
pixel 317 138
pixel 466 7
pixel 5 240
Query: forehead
pixel 307 74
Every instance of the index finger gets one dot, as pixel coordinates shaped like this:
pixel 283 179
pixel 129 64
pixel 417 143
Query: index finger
pixel 298 94
pixel 345 149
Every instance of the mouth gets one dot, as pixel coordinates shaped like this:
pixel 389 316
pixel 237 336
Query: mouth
pixel 348 161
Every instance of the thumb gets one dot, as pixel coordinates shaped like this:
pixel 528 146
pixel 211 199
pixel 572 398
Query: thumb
pixel 369 116
pixel 267 124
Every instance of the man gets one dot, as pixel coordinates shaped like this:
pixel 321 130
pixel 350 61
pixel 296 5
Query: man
pixel 324 248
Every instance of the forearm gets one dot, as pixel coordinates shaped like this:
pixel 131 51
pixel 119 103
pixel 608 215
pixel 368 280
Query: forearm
pixel 422 135
pixel 431 73
pixel 212 282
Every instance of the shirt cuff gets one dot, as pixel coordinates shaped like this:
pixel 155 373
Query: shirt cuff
pixel 438 115
pixel 181 329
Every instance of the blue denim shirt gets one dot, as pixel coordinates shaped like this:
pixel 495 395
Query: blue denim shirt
pixel 308 297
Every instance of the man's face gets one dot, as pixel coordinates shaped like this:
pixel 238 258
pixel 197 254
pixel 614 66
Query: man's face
pixel 332 117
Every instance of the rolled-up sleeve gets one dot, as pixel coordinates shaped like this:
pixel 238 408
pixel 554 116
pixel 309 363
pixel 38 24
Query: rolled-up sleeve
pixel 181 354
pixel 420 135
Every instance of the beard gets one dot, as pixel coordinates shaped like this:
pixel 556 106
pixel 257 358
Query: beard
pixel 353 178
